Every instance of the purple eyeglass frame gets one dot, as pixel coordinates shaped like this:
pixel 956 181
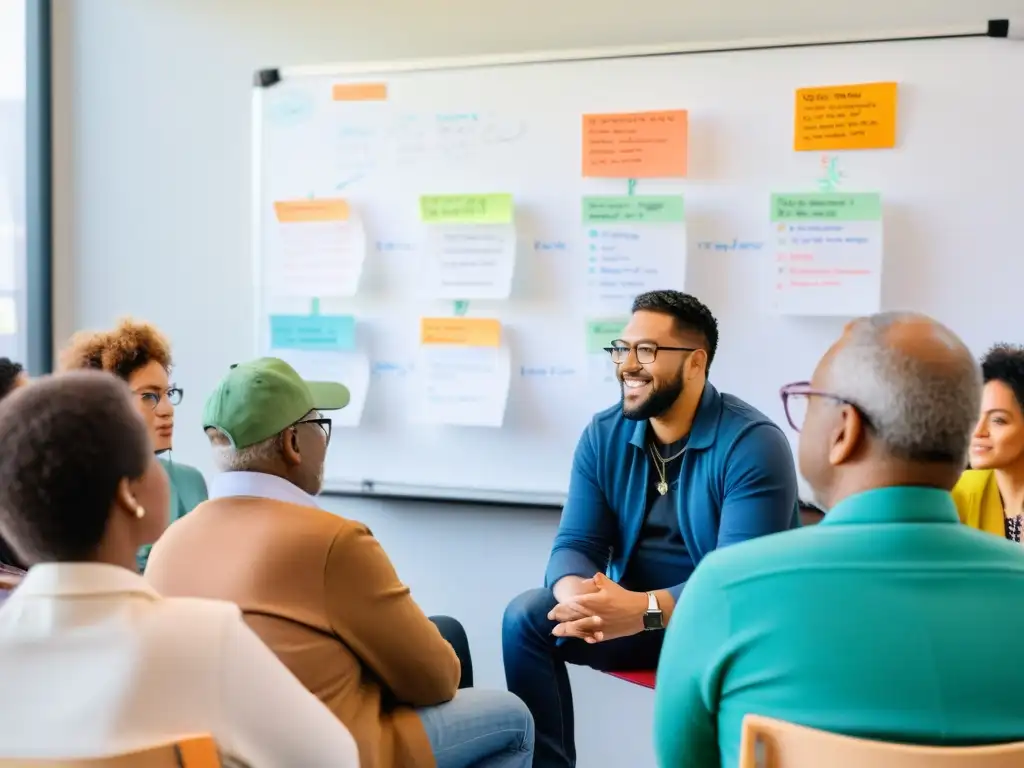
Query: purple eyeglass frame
pixel 804 389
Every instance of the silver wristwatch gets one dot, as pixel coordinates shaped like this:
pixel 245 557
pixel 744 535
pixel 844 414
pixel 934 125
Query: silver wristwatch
pixel 654 618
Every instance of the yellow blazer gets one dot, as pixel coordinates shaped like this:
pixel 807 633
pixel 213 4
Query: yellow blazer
pixel 978 503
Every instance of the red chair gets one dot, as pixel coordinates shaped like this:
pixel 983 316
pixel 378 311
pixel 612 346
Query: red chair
pixel 642 677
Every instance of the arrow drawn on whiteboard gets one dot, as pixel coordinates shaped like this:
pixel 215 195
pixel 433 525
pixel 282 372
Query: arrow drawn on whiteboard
pixel 832 176
pixel 349 181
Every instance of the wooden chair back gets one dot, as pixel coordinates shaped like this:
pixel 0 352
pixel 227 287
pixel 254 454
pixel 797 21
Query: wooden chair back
pixel 768 743
pixel 189 752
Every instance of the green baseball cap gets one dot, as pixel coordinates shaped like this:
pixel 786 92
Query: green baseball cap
pixel 259 399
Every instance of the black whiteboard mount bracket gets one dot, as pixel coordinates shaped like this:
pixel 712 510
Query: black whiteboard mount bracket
pixel 266 78
pixel 1000 28
pixel 1010 28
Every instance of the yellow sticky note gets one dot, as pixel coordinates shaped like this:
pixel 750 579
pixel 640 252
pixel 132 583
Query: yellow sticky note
pixel 8 316
pixel 359 92
pixel 845 117
pixel 305 211
pixel 461 331
pixel 466 209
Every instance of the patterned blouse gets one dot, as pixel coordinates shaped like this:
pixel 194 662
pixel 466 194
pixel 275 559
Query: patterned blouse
pixel 1013 527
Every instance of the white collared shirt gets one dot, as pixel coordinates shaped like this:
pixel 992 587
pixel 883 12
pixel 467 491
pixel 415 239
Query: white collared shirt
pixel 260 486
pixel 94 662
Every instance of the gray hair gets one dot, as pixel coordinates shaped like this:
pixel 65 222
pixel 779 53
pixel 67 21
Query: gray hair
pixel 227 458
pixel 922 407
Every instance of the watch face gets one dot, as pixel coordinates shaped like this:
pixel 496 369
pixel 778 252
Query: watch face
pixel 654 620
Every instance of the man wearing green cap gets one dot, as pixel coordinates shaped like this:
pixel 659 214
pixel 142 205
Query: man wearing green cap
pixel 319 589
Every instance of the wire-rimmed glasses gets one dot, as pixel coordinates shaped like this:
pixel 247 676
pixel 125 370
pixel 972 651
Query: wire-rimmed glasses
pixel 174 396
pixel 795 398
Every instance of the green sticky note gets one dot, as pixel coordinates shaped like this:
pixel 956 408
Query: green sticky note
pixel 831 206
pixel 466 209
pixel 601 333
pixel 633 209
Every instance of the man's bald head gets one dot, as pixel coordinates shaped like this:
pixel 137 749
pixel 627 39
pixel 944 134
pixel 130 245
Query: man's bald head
pixel 906 388
pixel 915 380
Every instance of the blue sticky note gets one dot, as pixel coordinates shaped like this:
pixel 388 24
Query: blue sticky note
pixel 313 333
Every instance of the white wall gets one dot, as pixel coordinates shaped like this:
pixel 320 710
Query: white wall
pixel 151 195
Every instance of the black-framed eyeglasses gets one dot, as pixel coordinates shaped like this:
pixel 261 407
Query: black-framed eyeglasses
pixel 646 352
pixel 795 399
pixel 323 423
pixel 174 396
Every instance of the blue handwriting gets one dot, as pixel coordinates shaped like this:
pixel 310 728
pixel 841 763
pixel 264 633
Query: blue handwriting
pixel 550 245
pixel 726 245
pixel 388 368
pixel 394 246
pixel 530 371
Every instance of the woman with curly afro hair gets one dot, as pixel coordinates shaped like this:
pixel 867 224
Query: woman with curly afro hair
pixel 140 355
pixel 990 495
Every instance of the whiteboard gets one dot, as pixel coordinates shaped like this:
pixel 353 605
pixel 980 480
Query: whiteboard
pixel 951 193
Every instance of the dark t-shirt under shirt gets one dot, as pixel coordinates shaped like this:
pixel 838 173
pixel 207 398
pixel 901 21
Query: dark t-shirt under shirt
pixel 660 559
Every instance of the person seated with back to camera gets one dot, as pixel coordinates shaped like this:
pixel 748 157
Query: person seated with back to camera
pixel 889 620
pixel 12 376
pixel 94 662
pixel 990 495
pixel 673 472
pixel 321 592
pixel 140 355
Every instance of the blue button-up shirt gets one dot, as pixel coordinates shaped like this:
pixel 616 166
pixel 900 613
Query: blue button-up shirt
pixel 737 481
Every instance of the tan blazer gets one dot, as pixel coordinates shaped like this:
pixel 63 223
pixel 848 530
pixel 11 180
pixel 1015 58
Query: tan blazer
pixel 322 594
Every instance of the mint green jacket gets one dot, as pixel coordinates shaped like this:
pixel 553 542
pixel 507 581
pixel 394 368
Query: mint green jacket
pixel 188 490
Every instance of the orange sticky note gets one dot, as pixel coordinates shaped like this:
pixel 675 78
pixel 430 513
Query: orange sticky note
pixel 304 211
pixel 635 145
pixel 461 331
pixel 845 117
pixel 359 92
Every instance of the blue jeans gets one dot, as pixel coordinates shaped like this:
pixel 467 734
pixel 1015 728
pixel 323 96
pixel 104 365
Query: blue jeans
pixel 477 729
pixel 535 670
pixel 480 729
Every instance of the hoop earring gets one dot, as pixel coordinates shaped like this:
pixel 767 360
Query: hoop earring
pixel 140 512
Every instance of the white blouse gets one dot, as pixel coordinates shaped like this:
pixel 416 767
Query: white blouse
pixel 94 662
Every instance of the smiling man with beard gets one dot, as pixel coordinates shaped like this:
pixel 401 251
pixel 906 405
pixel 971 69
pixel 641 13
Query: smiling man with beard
pixel 672 473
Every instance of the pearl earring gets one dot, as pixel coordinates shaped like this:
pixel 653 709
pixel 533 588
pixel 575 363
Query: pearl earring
pixel 140 512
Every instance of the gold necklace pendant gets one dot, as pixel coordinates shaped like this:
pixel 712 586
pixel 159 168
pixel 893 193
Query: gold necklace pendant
pixel 662 487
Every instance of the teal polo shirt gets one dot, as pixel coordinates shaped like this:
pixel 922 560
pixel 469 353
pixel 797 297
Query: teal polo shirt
pixel 889 620
pixel 188 490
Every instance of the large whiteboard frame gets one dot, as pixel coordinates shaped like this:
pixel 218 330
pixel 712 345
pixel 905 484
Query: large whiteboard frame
pixel 268 77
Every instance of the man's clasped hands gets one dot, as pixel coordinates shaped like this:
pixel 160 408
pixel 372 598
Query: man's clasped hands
pixel 596 609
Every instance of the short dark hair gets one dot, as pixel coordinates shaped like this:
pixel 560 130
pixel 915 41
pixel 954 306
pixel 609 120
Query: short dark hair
pixel 9 373
pixel 1005 363
pixel 68 441
pixel 689 312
